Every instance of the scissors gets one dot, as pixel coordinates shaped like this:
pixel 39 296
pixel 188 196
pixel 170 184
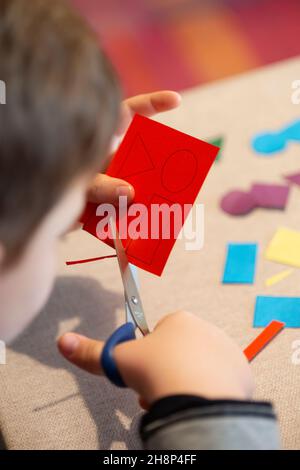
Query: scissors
pixel 135 317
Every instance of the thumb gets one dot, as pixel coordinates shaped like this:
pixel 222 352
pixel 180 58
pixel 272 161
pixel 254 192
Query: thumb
pixel 106 189
pixel 81 351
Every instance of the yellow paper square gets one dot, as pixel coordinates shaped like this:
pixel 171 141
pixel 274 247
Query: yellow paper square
pixel 285 247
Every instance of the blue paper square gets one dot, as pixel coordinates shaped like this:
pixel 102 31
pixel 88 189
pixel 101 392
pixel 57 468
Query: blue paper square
pixel 285 309
pixel 240 263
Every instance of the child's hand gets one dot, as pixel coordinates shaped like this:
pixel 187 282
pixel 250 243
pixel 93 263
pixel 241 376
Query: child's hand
pixel 183 355
pixel 105 189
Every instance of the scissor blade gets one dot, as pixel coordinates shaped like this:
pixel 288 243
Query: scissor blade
pixel 131 292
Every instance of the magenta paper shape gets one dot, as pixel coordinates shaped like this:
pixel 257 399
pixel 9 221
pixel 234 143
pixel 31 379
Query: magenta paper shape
pixel 270 196
pixel 238 203
pixel 293 178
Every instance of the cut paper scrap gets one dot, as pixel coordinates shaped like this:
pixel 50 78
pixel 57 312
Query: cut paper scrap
pixel 284 309
pixel 270 196
pixel 164 166
pixel 260 195
pixel 284 247
pixel 278 277
pixel 237 203
pixel 293 178
pixel 269 143
pixel 218 142
pixel 263 339
pixel 89 260
pixel 240 263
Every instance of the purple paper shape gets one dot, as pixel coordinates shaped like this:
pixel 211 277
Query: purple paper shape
pixel 294 178
pixel 270 196
pixel 238 203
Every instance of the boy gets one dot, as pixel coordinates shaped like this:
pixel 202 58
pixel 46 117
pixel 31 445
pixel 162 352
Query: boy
pixel 56 130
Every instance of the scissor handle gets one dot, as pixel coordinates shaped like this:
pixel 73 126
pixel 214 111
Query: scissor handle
pixel 124 333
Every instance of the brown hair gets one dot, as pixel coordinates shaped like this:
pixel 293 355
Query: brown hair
pixel 62 105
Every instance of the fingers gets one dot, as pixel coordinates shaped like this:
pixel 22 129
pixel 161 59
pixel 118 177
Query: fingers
pixel 105 189
pixel 151 103
pixel 179 315
pixel 86 353
pixel 147 105
pixel 81 351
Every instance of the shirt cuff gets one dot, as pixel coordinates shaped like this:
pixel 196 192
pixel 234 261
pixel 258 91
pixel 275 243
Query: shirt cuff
pixel 169 409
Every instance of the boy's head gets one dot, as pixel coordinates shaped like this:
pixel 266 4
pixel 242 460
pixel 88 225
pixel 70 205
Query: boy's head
pixel 62 106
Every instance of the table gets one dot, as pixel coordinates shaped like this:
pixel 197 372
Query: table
pixel 46 403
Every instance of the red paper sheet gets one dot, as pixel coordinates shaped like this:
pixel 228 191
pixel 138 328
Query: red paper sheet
pixel 263 339
pixel 164 166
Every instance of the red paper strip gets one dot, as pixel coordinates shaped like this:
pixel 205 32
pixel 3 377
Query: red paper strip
pixel 164 166
pixel 263 339
pixel 90 260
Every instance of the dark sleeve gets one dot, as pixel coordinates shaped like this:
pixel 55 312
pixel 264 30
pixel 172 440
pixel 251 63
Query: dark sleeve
pixel 189 422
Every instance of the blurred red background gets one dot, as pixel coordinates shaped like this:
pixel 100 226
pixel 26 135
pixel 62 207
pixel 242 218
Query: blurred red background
pixel 176 44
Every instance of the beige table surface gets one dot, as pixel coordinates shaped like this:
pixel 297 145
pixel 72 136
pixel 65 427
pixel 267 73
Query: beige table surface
pixel 47 404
